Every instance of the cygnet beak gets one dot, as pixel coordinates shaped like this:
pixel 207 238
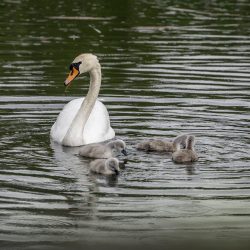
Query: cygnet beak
pixel 124 152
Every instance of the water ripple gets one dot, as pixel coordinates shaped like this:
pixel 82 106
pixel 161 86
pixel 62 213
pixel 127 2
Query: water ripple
pixel 168 68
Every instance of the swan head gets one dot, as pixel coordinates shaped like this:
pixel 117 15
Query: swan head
pixel 81 64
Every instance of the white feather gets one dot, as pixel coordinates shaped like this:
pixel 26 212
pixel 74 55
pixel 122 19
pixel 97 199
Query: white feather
pixel 97 128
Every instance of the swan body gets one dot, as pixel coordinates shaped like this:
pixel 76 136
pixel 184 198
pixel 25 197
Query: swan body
pixel 92 133
pixel 84 120
pixel 108 166
pixel 161 145
pixel 108 150
pixel 187 154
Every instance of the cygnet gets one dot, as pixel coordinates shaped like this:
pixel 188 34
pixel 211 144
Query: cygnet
pixel 108 166
pixel 105 151
pixel 162 145
pixel 187 154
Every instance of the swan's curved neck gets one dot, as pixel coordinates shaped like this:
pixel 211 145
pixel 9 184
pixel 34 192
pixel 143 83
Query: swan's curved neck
pixel 77 126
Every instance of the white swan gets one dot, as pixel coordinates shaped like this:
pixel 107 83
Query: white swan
pixel 84 120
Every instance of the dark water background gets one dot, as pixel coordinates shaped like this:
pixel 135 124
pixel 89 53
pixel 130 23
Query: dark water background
pixel 169 67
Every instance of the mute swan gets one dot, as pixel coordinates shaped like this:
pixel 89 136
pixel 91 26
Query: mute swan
pixel 108 166
pixel 185 155
pixel 162 145
pixel 108 150
pixel 84 120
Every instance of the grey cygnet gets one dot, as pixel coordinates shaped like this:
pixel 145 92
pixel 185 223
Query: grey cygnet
pixel 162 145
pixel 187 154
pixel 108 166
pixel 105 151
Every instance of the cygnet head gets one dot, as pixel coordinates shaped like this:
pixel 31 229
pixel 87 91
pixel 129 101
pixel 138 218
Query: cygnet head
pixel 119 146
pixel 113 165
pixel 81 64
pixel 179 141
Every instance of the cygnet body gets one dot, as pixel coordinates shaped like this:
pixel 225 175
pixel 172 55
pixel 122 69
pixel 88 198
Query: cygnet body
pixel 105 151
pixel 185 155
pixel 108 166
pixel 162 145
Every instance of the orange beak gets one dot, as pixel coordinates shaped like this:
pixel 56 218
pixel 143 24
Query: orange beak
pixel 72 75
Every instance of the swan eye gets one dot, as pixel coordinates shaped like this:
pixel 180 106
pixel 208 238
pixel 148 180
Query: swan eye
pixel 74 65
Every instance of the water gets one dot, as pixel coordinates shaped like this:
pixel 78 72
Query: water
pixel 169 67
